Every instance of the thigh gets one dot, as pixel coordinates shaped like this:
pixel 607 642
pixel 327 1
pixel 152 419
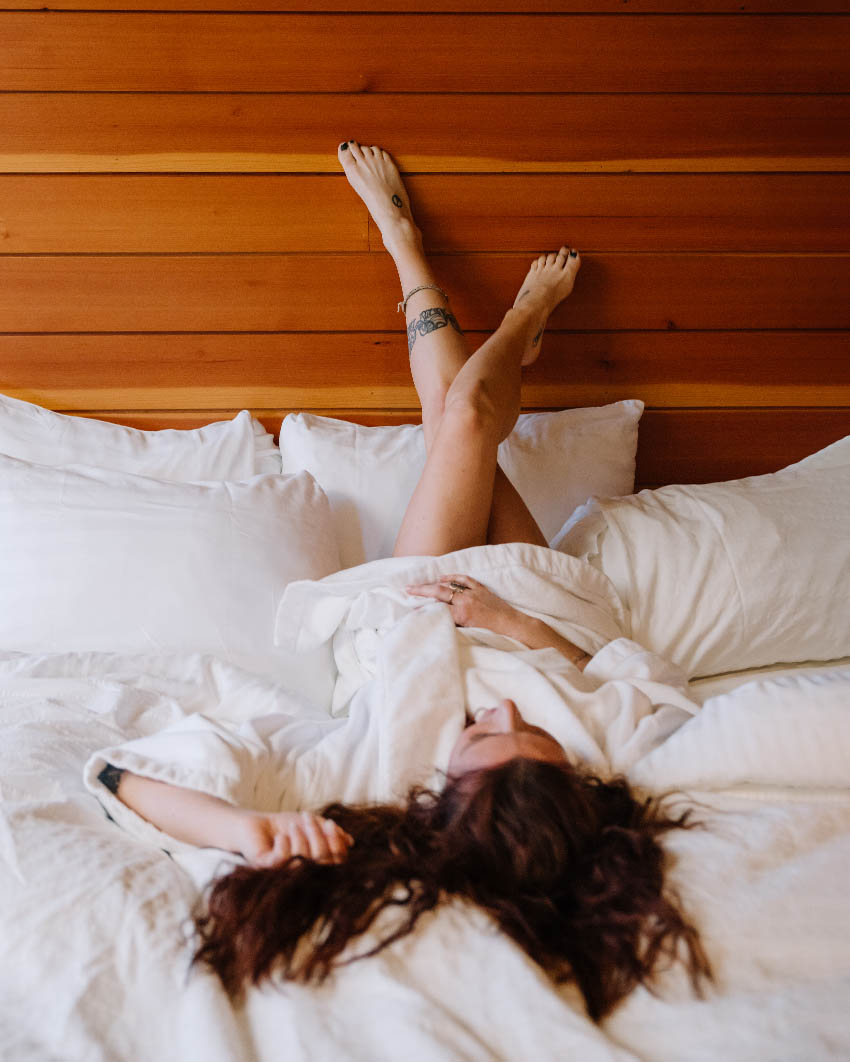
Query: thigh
pixel 450 508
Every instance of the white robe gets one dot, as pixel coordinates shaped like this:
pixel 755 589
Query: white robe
pixel 407 677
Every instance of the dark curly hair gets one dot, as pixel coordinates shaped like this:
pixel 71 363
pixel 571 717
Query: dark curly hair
pixel 568 865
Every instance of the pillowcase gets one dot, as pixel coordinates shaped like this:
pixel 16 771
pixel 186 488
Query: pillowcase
pixel 727 576
pixel 555 461
pixel 92 559
pixel 228 449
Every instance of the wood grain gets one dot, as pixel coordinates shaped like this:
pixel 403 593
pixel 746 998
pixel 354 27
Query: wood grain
pixel 129 213
pixel 370 371
pixel 169 52
pixel 359 292
pixel 703 446
pixel 593 7
pixel 299 133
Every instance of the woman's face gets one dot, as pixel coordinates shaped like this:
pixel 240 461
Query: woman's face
pixel 498 734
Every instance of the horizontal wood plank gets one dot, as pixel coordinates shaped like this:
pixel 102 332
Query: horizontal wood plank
pixel 296 133
pixel 593 7
pixel 359 292
pixel 126 213
pixel 129 213
pixel 674 446
pixel 370 370
pixel 127 52
pixel 703 446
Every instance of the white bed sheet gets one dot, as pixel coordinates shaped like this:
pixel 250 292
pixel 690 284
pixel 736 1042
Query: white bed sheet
pixel 94 965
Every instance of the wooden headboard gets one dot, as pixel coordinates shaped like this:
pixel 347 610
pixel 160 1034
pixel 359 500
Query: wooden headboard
pixel 177 240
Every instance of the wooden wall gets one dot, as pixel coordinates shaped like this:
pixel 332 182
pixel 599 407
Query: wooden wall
pixel 177 240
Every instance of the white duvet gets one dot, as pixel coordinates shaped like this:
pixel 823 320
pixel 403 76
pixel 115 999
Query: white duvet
pixel 92 920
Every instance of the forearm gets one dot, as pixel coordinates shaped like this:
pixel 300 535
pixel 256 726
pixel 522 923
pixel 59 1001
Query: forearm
pixel 538 635
pixel 189 816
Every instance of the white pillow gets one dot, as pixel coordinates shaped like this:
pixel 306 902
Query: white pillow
pixel 555 460
pixel 228 449
pixel 726 576
pixel 92 559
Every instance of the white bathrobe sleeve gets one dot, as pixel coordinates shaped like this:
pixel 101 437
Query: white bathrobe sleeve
pixel 640 700
pixel 623 658
pixel 248 765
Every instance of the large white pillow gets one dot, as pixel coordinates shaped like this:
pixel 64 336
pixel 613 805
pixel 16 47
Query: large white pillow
pixel 726 576
pixel 555 460
pixel 92 559
pixel 227 449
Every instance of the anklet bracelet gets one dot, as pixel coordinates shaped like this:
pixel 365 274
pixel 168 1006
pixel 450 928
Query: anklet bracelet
pixel 402 306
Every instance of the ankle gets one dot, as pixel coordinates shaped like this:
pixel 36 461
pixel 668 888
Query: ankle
pixel 523 318
pixel 402 236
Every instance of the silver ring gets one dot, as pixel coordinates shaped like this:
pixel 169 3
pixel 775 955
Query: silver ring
pixel 457 587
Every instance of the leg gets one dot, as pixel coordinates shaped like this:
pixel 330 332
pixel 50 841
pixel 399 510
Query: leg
pixel 437 351
pixel 451 506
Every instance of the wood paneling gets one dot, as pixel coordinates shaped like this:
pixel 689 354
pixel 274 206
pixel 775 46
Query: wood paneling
pixel 98 214
pixel 359 292
pixel 370 370
pixel 55 52
pixel 701 446
pixel 420 7
pixel 177 241
pixel 449 133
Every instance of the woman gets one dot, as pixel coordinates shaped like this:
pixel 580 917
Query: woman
pixel 568 865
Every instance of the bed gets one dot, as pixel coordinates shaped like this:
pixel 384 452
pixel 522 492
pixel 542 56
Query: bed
pixel 746 586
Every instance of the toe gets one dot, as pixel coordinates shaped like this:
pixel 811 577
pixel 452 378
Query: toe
pixel 564 252
pixel 550 258
pixel 376 151
pixel 356 150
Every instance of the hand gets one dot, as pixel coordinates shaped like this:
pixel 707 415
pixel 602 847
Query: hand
pixel 267 840
pixel 473 606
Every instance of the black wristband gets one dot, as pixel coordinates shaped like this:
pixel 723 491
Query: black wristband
pixel 111 776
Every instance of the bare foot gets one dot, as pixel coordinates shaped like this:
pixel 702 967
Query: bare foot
pixel 549 282
pixel 374 177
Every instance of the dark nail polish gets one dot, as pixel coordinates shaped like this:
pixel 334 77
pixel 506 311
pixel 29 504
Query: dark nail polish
pixel 573 254
pixel 344 145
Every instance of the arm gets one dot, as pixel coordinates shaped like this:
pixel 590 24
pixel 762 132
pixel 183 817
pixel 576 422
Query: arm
pixel 476 606
pixel 264 839
pixel 189 816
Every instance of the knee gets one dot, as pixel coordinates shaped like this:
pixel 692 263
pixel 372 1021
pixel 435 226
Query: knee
pixel 471 408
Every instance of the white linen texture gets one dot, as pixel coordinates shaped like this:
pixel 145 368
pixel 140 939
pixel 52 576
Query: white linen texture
pixel 727 576
pixel 93 921
pixel 227 449
pixel 555 460
pixel 92 559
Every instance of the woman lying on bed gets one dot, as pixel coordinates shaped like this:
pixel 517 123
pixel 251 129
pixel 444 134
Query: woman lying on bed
pixel 567 864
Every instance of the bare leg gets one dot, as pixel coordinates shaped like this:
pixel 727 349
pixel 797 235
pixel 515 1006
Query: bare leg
pixel 438 350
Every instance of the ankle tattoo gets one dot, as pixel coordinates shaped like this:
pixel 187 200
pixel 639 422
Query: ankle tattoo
pixel 429 321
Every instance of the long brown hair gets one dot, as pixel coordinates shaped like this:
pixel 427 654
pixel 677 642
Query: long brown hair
pixel 568 865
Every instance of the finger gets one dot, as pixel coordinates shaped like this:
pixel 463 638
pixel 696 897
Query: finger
pixel 279 852
pixel 316 837
pixel 299 841
pixel 338 840
pixel 459 577
pixel 435 590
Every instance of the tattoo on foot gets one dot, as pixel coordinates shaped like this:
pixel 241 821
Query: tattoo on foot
pixel 397 201
pixel 536 339
pixel 429 321
pixel 522 296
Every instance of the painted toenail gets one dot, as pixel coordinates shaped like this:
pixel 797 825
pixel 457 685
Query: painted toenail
pixel 344 145
pixel 573 254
